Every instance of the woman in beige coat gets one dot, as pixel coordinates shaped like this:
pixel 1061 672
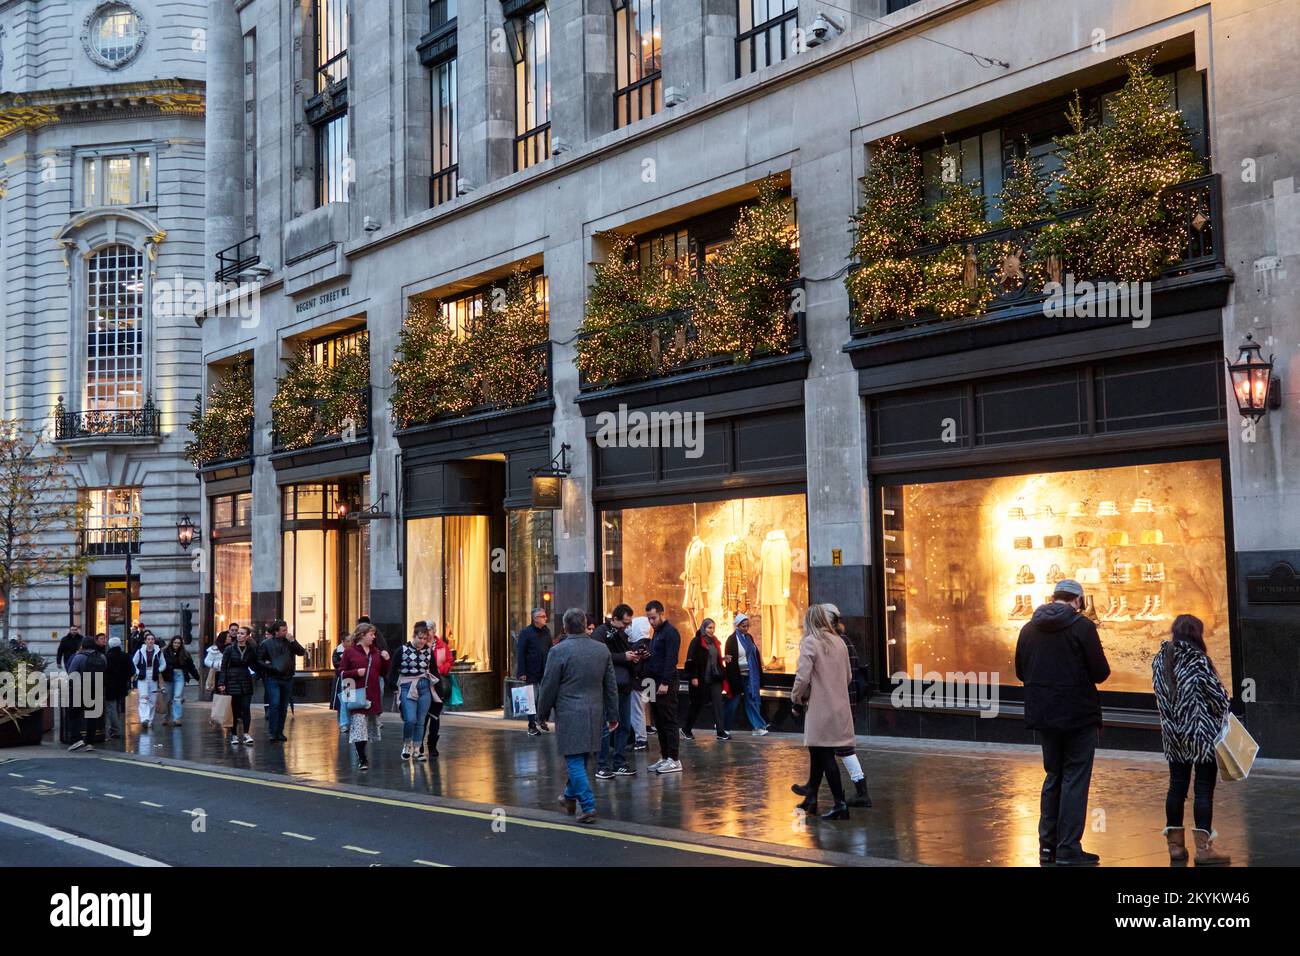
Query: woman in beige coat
pixel 821 692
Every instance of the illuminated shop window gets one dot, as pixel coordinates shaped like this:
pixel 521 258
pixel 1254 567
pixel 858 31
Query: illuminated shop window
pixel 712 560
pixel 966 562
pixel 447 583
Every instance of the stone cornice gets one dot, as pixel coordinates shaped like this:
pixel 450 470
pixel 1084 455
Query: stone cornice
pixel 26 111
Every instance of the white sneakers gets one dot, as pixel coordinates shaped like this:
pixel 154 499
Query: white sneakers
pixel 667 766
pixel 761 732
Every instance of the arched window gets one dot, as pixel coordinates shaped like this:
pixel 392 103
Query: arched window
pixel 115 348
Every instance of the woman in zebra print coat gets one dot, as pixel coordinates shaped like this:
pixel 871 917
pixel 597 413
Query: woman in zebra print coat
pixel 1193 706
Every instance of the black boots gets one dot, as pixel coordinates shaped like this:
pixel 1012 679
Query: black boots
pixel 809 805
pixel 838 812
pixel 860 798
pixel 800 788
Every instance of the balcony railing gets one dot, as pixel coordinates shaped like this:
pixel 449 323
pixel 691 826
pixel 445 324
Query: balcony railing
pixel 671 344
pixel 442 185
pixel 233 260
pixel 106 422
pixel 1004 261
pixel 533 146
pixel 331 420
pixel 105 541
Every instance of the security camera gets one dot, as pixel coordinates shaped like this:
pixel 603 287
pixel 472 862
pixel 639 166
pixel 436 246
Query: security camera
pixel 820 28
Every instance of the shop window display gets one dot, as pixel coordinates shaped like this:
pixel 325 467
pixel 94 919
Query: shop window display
pixel 714 559
pixel 447 582
pixel 966 563
pixel 530 570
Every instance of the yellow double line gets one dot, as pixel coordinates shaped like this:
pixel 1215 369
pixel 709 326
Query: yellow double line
pixel 481 815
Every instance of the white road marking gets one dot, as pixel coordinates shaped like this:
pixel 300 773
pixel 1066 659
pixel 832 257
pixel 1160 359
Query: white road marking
pixel 42 780
pixel 94 846
pixel 296 836
pixel 18 775
pixel 82 789
pixel 430 863
pixel 360 849
pixel 150 804
pixel 113 796
pixel 243 823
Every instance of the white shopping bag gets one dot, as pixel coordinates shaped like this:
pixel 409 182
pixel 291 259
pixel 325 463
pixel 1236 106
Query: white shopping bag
pixel 523 702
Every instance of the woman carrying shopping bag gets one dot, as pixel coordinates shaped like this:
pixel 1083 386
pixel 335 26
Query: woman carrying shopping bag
pixel 364 665
pixel 1193 705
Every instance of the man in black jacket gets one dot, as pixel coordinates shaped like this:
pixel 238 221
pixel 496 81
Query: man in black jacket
pixel 276 656
pixel 611 762
pixel 68 647
pixel 117 686
pixel 530 661
pixel 87 711
pixel 661 667
pixel 1060 660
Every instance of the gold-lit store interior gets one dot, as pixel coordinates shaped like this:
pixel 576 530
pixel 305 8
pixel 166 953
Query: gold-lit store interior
pixel 713 560
pixel 966 563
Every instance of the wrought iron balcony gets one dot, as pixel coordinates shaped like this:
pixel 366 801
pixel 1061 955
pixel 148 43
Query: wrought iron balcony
pixel 235 259
pixel 108 540
pixel 671 344
pixel 1006 264
pixel 141 422
pixel 324 421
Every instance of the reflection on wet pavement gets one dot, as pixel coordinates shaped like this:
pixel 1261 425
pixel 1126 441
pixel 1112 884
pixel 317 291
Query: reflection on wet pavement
pixel 935 802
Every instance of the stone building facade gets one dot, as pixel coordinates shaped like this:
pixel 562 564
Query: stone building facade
pixel 367 169
pixel 101 137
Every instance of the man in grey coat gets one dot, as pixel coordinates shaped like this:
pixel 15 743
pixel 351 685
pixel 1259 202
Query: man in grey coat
pixel 579 685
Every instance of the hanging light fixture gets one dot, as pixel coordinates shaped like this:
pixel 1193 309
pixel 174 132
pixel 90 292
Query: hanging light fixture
pixel 1253 382
pixel 185 533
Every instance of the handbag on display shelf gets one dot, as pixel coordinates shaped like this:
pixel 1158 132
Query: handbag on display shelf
pixel 1235 750
pixel 1141 506
pixel 1083 539
pixel 1121 572
pixel 1054 574
pixel 1024 544
pixel 1153 536
pixel 1053 541
pixel 1152 571
pixel 1107 509
pixel 1117 537
pixel 1025 575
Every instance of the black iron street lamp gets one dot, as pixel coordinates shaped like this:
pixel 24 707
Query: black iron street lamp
pixel 185 533
pixel 1253 382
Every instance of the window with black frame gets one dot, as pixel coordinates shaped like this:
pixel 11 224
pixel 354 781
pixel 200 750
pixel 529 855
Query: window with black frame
pixel 331 43
pixel 638 80
pixel 765 33
pixel 530 43
pixel 328 108
pixel 445 154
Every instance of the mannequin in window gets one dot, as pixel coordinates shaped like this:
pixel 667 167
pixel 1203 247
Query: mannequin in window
pixel 774 594
pixel 695 578
pixel 737 569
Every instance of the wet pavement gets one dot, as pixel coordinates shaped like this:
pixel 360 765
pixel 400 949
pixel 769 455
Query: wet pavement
pixel 937 803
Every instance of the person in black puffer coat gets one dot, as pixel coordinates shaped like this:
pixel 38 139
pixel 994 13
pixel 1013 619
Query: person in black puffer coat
pixel 1193 705
pixel 1060 660
pixel 239 667
pixel 117 686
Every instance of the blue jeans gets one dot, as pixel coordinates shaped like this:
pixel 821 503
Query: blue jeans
pixel 414 711
pixel 579 787
pixel 620 735
pixel 278 690
pixel 752 711
pixel 178 695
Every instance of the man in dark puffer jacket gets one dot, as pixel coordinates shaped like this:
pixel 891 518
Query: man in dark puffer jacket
pixel 1060 660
